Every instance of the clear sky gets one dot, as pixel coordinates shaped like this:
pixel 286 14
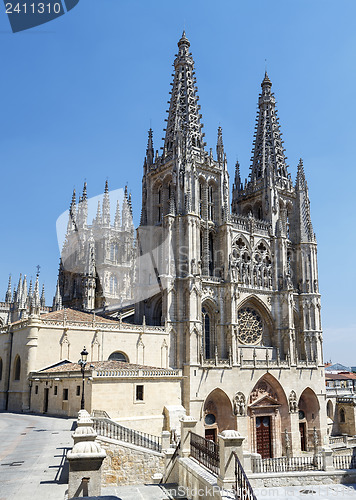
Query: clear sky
pixel 79 94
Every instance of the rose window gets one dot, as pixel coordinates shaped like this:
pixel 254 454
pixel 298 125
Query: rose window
pixel 250 326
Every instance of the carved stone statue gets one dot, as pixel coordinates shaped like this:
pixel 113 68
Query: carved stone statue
pixel 293 404
pixel 239 404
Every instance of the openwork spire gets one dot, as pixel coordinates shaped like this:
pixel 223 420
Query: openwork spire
pixel 183 127
pixel 106 205
pixel 268 152
pixel 8 292
pixel 301 187
pixel 150 151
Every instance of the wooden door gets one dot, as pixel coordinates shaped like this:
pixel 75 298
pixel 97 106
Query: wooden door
pixel 210 434
pixel 45 402
pixel 263 436
pixel 303 446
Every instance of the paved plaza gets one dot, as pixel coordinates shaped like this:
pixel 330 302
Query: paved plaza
pixel 33 467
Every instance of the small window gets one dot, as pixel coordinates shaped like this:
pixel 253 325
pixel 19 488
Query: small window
pixel 65 394
pixel 55 390
pixel 17 373
pixel 342 416
pixel 36 389
pixel 139 392
pixel 78 390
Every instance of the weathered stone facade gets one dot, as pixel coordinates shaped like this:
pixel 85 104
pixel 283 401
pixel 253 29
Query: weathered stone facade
pixel 129 464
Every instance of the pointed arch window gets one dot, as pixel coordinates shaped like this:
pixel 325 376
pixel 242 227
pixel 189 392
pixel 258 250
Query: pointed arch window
pixel 159 205
pixel 211 254
pixel 17 368
pixel 113 285
pixel 210 203
pixel 342 416
pixel 200 200
pixel 206 333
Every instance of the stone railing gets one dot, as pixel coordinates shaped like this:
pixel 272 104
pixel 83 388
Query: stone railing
pixel 344 462
pixel 285 464
pixel 108 428
pixel 102 325
pixel 140 372
pixel 335 440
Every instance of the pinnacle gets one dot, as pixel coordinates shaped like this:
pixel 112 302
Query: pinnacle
pixel 183 124
pixel 184 40
pixel 266 81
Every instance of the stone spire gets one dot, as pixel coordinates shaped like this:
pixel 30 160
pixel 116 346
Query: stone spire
pixel 303 203
pixel 8 292
pixel 220 146
pixel 82 215
pixel 126 213
pixel 29 296
pixel 19 289
pixel 237 183
pixel 183 124
pixel 43 298
pixel 23 298
pixel 72 214
pixel 57 299
pixel 36 301
pixel 98 218
pixel 106 205
pixel 268 145
pixel 150 151
pixel 117 221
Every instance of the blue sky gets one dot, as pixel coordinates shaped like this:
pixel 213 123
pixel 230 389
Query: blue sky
pixel 79 94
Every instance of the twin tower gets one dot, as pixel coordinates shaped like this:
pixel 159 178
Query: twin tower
pixel 220 274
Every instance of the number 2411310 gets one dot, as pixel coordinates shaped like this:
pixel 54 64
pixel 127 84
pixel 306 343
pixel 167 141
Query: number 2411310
pixel 41 8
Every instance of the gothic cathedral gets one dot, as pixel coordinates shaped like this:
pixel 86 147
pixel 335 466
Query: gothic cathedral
pixel 238 288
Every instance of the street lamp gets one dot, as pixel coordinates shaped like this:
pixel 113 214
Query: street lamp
pixel 83 362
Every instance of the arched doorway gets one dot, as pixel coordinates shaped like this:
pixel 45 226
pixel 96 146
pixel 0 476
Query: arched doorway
pixel 269 417
pixel 218 414
pixel 309 421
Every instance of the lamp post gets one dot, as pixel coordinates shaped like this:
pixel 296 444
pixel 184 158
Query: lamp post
pixel 83 362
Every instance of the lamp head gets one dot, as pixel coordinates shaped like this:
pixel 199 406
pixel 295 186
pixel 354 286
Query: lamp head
pixel 84 355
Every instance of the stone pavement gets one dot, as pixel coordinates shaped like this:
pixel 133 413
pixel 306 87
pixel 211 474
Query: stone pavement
pixel 155 492
pixel 32 456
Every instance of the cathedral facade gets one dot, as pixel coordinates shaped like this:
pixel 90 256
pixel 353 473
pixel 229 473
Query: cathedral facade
pixel 239 288
pixel 231 285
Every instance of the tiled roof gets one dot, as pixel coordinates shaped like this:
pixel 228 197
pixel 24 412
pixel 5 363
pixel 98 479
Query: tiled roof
pixel 340 376
pixel 73 315
pixel 99 365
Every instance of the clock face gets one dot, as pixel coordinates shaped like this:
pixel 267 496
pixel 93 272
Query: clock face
pixel 210 419
pixel 250 327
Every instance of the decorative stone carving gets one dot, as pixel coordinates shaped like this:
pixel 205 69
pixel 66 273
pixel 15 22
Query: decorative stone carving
pixel 239 404
pixel 293 404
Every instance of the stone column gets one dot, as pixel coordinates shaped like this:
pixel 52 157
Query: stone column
pixel 166 440
pixel 295 434
pixel 229 441
pixel 85 460
pixel 188 424
pixel 327 454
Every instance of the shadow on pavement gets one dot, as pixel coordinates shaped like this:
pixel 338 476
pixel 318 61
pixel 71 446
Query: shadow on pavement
pixel 62 473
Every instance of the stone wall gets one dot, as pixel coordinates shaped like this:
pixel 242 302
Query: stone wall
pixel 128 464
pixel 302 478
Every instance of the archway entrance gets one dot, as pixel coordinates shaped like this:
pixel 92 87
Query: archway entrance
pixel 217 414
pixel 269 417
pixel 309 421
